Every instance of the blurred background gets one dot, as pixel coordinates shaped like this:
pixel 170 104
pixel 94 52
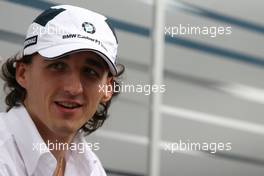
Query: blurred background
pixel 214 84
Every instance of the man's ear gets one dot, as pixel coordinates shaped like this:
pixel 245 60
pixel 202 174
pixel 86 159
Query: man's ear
pixel 21 78
pixel 108 91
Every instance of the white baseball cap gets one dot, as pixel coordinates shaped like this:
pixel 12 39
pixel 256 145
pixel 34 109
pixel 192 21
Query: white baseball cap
pixel 64 29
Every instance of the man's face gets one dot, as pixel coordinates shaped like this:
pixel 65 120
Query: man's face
pixel 62 95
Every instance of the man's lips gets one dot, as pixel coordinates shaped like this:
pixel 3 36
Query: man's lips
pixel 68 104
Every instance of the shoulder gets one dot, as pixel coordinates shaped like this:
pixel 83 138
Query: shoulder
pixel 7 164
pixel 98 167
pixel 8 151
pixel 91 157
pixel 9 170
pixel 5 135
pixel 4 170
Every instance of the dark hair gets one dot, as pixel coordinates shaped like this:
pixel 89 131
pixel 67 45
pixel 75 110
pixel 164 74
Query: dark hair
pixel 17 94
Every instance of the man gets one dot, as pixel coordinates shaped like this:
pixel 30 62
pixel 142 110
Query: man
pixel 55 94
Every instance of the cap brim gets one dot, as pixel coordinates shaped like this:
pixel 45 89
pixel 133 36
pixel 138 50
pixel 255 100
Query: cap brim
pixel 58 51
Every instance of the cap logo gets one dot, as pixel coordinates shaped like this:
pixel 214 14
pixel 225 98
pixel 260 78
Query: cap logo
pixel 88 27
pixel 30 41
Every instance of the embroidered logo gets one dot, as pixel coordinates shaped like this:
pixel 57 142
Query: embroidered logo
pixel 88 27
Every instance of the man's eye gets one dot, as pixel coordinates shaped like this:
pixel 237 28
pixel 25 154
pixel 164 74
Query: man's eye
pixel 91 72
pixel 57 66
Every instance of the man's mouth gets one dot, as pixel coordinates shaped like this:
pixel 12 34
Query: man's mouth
pixel 68 105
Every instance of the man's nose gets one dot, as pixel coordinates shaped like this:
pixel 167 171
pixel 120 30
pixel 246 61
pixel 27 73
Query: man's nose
pixel 73 84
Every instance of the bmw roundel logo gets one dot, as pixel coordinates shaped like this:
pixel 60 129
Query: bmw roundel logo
pixel 88 27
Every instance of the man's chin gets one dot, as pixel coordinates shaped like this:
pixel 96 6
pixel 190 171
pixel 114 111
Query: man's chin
pixel 65 130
